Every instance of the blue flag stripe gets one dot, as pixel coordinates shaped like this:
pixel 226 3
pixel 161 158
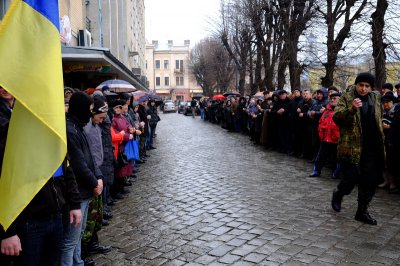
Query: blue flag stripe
pixel 48 8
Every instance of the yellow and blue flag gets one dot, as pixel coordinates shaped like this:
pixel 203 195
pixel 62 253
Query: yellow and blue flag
pixel 31 70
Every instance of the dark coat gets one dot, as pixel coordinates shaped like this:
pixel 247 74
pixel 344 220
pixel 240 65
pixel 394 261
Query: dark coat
pixel 107 168
pixel 81 159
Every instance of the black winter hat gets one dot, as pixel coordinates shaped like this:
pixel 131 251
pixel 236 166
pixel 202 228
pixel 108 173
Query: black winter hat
pixel 79 106
pixel 397 86
pixel 117 103
pixel 388 86
pixel 99 105
pixel 335 94
pixel 388 97
pixel 365 77
pixel 333 88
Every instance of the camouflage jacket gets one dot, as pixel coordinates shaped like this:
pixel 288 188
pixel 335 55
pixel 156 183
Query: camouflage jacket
pixel 349 122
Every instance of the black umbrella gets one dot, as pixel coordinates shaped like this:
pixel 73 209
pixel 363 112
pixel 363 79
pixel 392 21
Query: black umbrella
pixel 231 93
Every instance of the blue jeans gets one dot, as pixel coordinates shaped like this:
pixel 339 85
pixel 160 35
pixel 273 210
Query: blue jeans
pixel 41 241
pixel 150 137
pixel 202 113
pixel 71 246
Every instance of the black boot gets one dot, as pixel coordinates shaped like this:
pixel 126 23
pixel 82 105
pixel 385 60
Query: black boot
pixel 362 214
pixel 337 200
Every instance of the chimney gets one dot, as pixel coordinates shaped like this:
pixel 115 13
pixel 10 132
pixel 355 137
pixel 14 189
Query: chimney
pixel 187 42
pixel 170 43
pixel 155 43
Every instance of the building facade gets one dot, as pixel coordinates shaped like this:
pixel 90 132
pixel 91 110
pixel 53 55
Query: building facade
pixel 168 72
pixel 101 39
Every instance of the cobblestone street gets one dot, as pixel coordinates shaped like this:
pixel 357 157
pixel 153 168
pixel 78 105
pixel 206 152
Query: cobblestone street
pixel 209 197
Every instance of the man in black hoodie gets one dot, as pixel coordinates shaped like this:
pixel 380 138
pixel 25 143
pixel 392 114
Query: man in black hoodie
pixel 88 175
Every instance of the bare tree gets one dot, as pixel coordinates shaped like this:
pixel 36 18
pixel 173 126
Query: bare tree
pixel 236 36
pixel 334 12
pixel 295 15
pixel 211 66
pixel 378 45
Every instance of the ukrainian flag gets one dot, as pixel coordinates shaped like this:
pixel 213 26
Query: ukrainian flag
pixel 31 71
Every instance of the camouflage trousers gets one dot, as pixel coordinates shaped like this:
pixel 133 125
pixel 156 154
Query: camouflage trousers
pixel 94 221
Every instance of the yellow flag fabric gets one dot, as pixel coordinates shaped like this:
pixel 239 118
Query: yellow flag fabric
pixel 31 71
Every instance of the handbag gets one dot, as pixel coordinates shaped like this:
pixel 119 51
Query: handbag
pixel 132 150
pixel 121 158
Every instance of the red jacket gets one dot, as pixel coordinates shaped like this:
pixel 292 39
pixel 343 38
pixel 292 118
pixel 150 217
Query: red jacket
pixel 328 131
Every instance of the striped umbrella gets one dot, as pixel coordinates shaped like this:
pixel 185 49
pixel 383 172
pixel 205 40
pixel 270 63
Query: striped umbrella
pixel 117 85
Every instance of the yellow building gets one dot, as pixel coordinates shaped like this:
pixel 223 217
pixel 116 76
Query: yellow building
pixel 346 75
pixel 168 72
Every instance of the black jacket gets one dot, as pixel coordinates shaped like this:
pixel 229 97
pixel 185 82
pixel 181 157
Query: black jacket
pixel 81 159
pixel 107 168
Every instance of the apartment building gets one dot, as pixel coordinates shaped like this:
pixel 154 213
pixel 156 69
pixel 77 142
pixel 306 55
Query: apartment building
pixel 168 72
pixel 101 39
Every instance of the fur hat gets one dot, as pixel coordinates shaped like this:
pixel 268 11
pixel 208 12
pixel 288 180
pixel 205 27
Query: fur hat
pixel 365 77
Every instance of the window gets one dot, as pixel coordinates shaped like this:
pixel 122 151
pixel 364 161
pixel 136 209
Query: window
pixel 158 81
pixel 179 81
pixel 3 8
pixel 166 81
pixel 179 64
pixel 158 66
pixel 166 64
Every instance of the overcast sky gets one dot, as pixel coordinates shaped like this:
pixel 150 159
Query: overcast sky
pixel 179 20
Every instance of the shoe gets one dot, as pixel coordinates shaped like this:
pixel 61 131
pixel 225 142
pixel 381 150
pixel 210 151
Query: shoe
pixel 394 190
pixel 335 176
pixel 105 222
pixel 107 215
pixel 124 191
pixel 111 203
pixel 127 183
pixel 118 196
pixel 315 174
pixel 140 161
pixel 146 155
pixel 89 262
pixel 152 148
pixel 362 215
pixel 336 201
pixel 383 185
pixel 99 249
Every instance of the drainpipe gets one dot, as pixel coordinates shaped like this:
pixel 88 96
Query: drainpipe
pixel 100 26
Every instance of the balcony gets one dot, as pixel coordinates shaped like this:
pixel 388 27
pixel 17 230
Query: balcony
pixel 178 70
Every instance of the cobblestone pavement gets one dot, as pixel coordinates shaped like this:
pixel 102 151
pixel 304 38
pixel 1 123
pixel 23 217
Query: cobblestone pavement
pixel 209 197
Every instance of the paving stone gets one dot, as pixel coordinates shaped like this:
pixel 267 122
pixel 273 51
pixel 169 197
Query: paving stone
pixel 255 257
pixel 209 197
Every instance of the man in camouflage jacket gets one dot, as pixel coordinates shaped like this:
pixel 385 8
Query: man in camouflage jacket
pixel 360 148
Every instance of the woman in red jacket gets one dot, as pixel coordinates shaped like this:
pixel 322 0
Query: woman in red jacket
pixel 329 134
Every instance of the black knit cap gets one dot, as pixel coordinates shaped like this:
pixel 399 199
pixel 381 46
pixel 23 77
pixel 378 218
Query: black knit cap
pixel 365 77
pixel 118 102
pixel 388 86
pixel 79 106
pixel 99 105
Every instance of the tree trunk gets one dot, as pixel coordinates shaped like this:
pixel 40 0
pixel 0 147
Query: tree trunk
pixel 379 54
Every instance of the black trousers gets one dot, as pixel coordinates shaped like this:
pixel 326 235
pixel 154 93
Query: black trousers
pixel 367 175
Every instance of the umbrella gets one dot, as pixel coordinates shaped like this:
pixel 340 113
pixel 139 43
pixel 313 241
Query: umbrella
pixel 138 94
pixel 219 97
pixel 117 85
pixel 231 93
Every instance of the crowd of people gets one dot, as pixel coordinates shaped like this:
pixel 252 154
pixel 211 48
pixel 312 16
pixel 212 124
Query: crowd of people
pixel 60 225
pixel 357 140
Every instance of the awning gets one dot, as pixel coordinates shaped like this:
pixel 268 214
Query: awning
pixel 97 59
